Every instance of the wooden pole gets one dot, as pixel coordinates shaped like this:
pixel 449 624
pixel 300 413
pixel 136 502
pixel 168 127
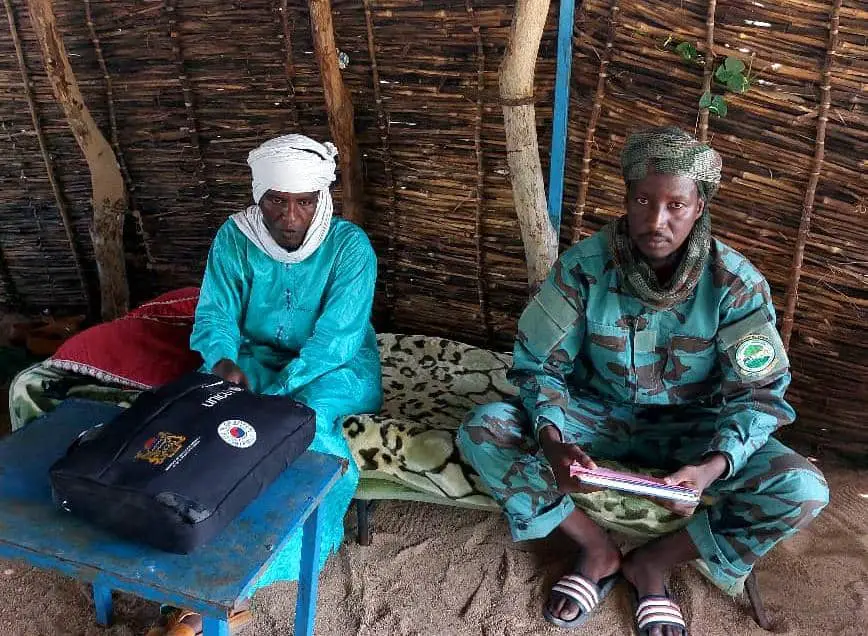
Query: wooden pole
pixel 46 157
pixel 171 7
pixel 113 126
pixel 593 119
pixel 481 291
pixel 282 8
pixel 107 183
pixel 388 171
pixel 811 190
pixel 522 149
pixel 340 109
pixel 708 70
pixel 561 111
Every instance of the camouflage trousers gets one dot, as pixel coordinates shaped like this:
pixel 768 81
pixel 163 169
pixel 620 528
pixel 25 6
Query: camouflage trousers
pixel 772 497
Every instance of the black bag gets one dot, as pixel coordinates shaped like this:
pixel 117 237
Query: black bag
pixel 176 467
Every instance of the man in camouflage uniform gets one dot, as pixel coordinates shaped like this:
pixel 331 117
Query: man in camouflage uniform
pixel 650 342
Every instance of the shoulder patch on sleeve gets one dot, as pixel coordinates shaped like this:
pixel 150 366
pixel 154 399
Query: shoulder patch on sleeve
pixel 546 320
pixel 754 346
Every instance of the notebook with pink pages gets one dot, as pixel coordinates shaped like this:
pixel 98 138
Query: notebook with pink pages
pixel 633 483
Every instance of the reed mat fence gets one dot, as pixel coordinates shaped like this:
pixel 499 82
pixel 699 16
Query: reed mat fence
pixel 185 88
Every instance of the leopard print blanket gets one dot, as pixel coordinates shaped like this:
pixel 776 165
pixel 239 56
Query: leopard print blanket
pixel 408 450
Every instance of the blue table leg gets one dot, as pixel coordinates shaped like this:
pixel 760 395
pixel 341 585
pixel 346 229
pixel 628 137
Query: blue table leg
pixel 308 580
pixel 102 601
pixel 215 626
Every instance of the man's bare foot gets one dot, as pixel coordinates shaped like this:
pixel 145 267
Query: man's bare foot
pixel 645 569
pixel 599 558
pixel 645 575
pixel 593 564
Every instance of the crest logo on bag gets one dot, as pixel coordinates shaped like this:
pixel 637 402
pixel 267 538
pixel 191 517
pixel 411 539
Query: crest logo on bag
pixel 160 447
pixel 237 433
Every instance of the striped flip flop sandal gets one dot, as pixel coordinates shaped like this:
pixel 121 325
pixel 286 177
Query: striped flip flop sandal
pixel 656 610
pixel 583 592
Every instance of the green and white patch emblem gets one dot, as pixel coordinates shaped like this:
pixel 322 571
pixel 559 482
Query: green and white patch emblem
pixel 755 354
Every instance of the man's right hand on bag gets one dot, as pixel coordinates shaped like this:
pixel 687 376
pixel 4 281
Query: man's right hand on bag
pixel 231 372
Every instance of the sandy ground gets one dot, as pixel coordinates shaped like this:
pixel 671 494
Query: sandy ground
pixel 444 571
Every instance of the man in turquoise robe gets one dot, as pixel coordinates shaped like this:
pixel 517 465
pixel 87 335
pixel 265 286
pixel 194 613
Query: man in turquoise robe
pixel 285 309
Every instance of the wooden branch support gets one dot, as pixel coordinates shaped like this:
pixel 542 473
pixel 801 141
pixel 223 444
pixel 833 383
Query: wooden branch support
pixel 107 184
pixel 189 100
pixel 811 190
pixel 522 149
pixel 340 109
pixel 383 127
pixel 281 7
pixel 708 69
pixel 481 294
pixel 113 125
pixel 59 200
pixel 593 119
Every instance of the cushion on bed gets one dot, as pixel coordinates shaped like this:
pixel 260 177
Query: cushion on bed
pixel 148 347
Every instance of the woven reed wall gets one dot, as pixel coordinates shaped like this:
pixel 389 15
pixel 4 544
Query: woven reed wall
pixel 186 87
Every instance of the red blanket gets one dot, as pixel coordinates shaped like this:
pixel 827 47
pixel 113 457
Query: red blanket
pixel 148 347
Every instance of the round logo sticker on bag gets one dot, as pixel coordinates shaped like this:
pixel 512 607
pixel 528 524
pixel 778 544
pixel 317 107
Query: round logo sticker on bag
pixel 755 354
pixel 237 433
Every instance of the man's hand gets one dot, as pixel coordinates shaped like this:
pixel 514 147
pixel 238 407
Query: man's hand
pixel 697 477
pixel 231 372
pixel 560 456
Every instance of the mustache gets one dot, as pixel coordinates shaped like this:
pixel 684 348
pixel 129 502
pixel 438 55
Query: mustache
pixel 654 235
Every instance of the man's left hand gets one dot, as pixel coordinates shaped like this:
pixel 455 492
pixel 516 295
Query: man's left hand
pixel 698 477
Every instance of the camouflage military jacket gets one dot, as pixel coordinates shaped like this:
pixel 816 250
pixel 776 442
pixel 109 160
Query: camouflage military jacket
pixel 719 348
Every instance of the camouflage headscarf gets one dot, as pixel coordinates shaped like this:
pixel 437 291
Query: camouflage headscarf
pixel 667 150
pixel 670 150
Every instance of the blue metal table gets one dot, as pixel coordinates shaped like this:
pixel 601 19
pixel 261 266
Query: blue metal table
pixel 211 581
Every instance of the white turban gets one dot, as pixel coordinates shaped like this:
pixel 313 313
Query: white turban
pixel 291 163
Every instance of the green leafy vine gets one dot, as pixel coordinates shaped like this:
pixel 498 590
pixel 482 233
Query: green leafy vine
pixel 730 75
